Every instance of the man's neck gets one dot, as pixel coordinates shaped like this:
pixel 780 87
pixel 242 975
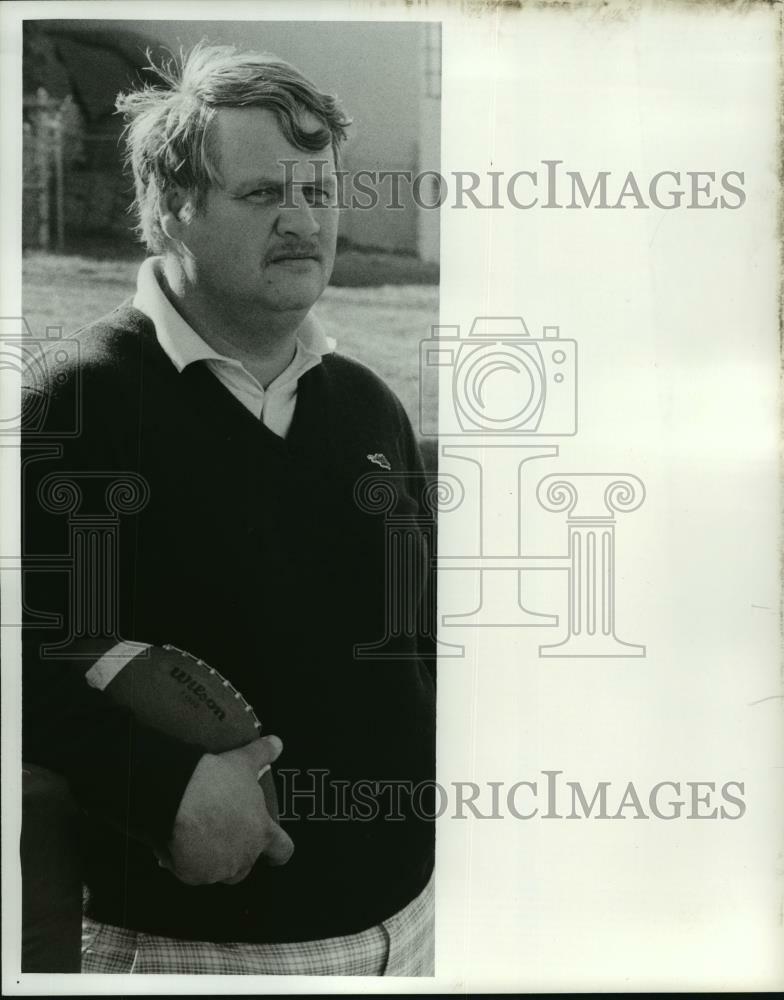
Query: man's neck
pixel 264 344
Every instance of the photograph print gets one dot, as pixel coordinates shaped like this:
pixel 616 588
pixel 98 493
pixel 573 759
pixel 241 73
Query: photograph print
pixel 228 527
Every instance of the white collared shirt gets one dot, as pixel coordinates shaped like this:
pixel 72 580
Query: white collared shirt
pixel 274 406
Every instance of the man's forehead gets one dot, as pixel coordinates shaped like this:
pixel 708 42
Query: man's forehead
pixel 249 141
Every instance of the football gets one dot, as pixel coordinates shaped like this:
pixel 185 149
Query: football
pixel 171 690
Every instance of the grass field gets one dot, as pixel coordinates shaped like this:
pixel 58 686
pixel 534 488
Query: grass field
pixel 380 326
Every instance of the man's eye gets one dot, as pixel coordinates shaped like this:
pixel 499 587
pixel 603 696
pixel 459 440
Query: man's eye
pixel 318 196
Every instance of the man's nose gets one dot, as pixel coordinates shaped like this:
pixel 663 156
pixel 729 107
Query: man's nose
pixel 297 217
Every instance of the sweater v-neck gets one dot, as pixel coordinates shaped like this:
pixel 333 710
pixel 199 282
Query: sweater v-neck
pixel 225 416
pixel 221 411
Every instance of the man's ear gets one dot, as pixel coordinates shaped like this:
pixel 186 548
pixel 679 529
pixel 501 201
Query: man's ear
pixel 176 212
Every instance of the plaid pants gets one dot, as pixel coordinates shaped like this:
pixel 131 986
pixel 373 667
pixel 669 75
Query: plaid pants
pixel 403 945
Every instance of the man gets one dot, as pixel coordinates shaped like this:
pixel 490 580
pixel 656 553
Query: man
pixel 216 388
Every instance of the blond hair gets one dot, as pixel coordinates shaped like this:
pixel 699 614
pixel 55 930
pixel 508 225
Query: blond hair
pixel 167 133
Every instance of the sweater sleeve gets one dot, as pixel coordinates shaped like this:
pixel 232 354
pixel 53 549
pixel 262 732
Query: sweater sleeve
pixel 132 776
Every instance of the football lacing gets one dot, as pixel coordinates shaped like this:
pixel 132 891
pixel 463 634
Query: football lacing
pixel 224 682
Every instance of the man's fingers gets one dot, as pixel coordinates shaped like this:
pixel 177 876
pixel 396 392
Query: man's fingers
pixel 280 847
pixel 222 827
pixel 259 753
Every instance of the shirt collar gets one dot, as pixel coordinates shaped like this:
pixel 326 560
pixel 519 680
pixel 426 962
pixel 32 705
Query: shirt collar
pixel 181 342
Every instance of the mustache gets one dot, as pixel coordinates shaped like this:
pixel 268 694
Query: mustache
pixel 296 249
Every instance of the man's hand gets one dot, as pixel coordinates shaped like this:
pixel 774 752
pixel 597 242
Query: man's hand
pixel 222 826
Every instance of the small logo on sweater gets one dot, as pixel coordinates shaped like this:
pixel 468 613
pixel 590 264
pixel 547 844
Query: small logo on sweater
pixel 380 460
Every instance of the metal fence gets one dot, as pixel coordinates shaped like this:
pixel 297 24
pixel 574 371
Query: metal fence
pixel 43 171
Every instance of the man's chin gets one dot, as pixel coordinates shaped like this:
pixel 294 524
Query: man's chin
pixel 301 297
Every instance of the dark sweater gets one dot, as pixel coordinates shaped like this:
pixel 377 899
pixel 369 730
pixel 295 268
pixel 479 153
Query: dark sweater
pixel 251 553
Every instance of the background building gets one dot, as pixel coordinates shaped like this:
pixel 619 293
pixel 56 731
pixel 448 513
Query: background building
pixel 386 74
